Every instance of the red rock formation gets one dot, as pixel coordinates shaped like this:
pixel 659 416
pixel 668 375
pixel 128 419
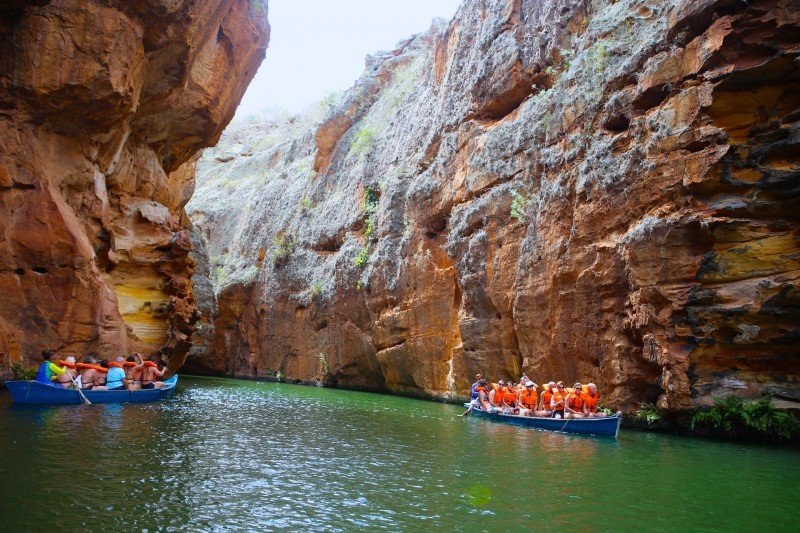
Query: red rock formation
pixel 648 150
pixel 103 105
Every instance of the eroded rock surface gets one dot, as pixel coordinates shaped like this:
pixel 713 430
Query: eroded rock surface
pixel 103 105
pixel 648 151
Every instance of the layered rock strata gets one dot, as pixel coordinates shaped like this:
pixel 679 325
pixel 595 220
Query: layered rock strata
pixel 604 191
pixel 103 105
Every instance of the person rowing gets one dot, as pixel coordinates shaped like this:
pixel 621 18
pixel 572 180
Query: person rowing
pixel 67 378
pixel 482 400
pixel 574 404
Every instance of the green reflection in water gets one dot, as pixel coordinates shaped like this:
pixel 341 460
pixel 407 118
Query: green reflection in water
pixel 226 454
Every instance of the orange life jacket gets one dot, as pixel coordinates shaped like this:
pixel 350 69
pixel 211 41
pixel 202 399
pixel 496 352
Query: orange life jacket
pixel 499 392
pixel 510 397
pixel 129 364
pixel 559 396
pixel 547 395
pixel 528 399
pixel 114 364
pixel 575 401
pixel 67 364
pixel 591 402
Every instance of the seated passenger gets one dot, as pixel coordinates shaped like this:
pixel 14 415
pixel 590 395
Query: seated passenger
pixel 88 375
pixel 510 406
pixel 149 372
pixel 559 401
pixel 115 379
pixel 48 371
pixel 132 381
pixel 574 406
pixel 590 399
pixel 529 400
pixel 547 395
pixel 496 395
pixel 100 376
pixel 66 379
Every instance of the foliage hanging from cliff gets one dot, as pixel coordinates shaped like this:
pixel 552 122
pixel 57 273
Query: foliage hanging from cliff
pixel 735 416
pixel 649 413
pixel 283 246
pixel 519 205
pixel 22 373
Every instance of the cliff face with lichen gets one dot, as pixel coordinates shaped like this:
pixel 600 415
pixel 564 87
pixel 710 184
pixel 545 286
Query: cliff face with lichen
pixel 103 105
pixel 596 190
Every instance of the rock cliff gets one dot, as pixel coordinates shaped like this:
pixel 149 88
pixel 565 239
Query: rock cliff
pixel 103 106
pixel 597 190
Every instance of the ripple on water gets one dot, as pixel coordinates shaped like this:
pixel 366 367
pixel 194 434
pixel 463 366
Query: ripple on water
pixel 231 455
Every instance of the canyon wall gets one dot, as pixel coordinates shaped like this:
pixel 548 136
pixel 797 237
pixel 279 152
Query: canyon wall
pixel 595 190
pixel 103 106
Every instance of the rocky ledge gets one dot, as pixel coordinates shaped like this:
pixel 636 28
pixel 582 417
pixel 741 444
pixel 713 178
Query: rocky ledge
pixel 603 191
pixel 103 106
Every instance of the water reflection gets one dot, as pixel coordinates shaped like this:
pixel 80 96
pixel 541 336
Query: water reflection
pixel 265 456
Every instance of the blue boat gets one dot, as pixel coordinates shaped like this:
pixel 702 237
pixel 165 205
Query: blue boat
pixel 42 393
pixel 607 425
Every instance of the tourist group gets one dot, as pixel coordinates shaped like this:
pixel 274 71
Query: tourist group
pixel 131 373
pixel 522 398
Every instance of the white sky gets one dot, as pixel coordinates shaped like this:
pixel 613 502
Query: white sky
pixel 318 46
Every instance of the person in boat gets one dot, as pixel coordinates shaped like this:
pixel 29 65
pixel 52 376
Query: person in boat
pixel 150 372
pixel 66 379
pixel 510 406
pixel 88 375
pixel 496 395
pixel 48 371
pixel 558 401
pixel 574 403
pixel 482 400
pixel 547 395
pixel 473 392
pixel 132 381
pixel 100 376
pixel 590 399
pixel 115 378
pixel 529 400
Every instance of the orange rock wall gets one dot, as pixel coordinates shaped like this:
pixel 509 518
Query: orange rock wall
pixel 648 151
pixel 103 105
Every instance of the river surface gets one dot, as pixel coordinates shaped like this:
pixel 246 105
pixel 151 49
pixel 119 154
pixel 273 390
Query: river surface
pixel 242 455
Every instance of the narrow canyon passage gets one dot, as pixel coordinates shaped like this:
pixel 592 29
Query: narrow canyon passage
pixel 604 191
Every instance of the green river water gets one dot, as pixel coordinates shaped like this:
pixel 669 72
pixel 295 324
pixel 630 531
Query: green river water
pixel 242 455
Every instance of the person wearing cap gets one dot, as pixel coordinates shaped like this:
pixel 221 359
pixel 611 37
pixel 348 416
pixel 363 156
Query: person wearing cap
pixel 473 392
pixel 528 399
pixel 49 371
pixel 498 391
pixel 573 407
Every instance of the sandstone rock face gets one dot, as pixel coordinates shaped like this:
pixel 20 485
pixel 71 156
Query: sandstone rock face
pixel 103 105
pixel 602 191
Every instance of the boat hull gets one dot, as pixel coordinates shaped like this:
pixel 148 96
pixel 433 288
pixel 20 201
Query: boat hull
pixel 608 425
pixel 33 392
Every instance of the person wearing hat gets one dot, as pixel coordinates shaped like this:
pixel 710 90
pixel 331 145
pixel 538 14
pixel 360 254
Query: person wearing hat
pixel 528 399
pixel 48 371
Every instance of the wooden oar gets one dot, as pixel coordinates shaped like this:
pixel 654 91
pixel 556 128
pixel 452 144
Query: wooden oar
pixel 471 405
pixel 80 392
